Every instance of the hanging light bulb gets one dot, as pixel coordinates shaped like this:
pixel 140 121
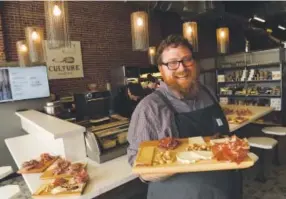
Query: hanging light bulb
pixel 222 35
pixel 57 24
pixel 34 38
pixel 152 55
pixel 190 32
pixel 57 11
pixel 139 31
pixel 23 48
pixel 23 54
pixel 140 21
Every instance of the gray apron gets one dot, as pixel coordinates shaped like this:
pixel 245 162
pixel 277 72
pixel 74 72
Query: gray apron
pixel 199 185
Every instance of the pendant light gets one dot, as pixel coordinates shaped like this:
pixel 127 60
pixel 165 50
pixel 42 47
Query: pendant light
pixel 57 24
pixel 190 32
pixel 34 38
pixel 152 55
pixel 23 53
pixel 222 35
pixel 139 31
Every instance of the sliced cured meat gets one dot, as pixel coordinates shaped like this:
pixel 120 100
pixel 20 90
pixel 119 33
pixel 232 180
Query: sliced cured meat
pixel 233 149
pixel 75 168
pixel 45 157
pixel 168 143
pixel 81 177
pixel 59 182
pixel 32 164
pixel 243 112
pixel 228 111
pixel 61 167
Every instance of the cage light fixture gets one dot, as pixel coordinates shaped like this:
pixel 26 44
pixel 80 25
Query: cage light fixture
pixel 190 32
pixel 139 31
pixel 222 35
pixel 57 24
pixel 152 55
pixel 34 38
pixel 23 53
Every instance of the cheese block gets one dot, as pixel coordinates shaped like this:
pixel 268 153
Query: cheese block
pixel 188 157
pixel 221 140
pixel 203 155
pixel 145 156
pixel 197 140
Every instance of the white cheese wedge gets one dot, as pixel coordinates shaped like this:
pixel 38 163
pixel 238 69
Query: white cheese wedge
pixel 188 157
pixel 203 155
pixel 197 140
pixel 58 189
pixel 221 140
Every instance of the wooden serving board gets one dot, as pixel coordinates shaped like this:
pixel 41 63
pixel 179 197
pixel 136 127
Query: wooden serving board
pixel 177 167
pixel 48 174
pixel 38 170
pixel 41 193
pixel 258 112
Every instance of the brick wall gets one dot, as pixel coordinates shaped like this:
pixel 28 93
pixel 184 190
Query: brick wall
pixel 102 27
pixel 2 50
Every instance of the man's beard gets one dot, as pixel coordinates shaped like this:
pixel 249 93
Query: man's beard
pixel 188 88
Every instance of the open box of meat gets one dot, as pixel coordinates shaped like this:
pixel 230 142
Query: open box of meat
pixel 195 154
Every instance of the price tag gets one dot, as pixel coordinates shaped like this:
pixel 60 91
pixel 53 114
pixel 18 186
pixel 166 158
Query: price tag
pixel 276 75
pixel 219 122
pixel 275 103
pixel 223 100
pixel 221 78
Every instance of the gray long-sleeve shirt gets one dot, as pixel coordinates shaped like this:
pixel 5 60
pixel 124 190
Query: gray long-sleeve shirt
pixel 152 119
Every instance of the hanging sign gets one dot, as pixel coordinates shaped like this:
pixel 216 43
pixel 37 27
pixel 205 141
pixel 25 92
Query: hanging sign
pixel 64 63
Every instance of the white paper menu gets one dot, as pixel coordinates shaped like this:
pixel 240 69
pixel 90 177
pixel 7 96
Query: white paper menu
pixel 29 83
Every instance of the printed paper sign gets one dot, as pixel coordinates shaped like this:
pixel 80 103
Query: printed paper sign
pixel 64 63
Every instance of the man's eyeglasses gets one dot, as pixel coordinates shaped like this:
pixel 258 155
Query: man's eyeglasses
pixel 174 65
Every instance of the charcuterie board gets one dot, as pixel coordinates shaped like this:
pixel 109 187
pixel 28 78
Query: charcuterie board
pixel 240 115
pixel 39 165
pixel 50 174
pixel 183 158
pixel 49 190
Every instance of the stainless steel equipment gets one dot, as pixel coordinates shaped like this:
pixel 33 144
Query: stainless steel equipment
pixel 53 108
pixel 92 105
pixel 107 141
pixel 120 76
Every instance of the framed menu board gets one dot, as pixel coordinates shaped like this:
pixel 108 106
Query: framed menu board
pixel 23 83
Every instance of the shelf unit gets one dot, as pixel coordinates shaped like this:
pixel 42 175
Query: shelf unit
pixel 233 89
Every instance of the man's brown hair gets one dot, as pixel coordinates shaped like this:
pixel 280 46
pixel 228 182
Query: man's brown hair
pixel 171 41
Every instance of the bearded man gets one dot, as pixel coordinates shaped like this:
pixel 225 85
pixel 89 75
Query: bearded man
pixel 182 108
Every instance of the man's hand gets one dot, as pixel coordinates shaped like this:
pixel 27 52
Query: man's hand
pixel 156 177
